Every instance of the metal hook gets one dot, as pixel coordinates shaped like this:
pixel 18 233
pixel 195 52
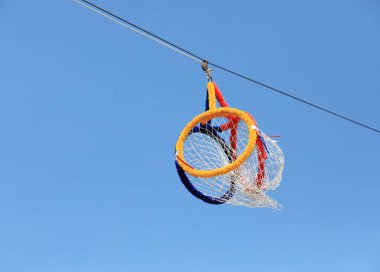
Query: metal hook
pixel 207 70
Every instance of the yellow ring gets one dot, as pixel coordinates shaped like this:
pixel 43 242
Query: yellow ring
pixel 203 118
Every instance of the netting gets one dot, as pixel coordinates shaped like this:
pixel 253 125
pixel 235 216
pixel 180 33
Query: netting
pixel 208 147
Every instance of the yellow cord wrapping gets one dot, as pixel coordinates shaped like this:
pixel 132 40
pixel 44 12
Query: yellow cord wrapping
pixel 211 96
pixel 203 118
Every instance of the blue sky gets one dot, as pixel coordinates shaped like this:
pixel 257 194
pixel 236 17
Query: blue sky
pixel 90 112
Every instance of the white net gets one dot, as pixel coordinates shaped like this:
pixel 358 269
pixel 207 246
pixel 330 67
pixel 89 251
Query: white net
pixel 207 149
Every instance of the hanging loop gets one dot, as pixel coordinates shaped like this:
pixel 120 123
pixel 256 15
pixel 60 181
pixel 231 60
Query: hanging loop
pixel 207 70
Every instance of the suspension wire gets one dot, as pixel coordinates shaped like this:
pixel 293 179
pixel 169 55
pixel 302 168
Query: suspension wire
pixel 296 98
pixel 197 58
pixel 137 29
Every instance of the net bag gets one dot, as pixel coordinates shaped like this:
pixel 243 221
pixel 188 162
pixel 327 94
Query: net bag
pixel 223 157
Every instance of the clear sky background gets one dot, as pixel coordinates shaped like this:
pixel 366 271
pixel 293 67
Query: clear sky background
pixel 90 113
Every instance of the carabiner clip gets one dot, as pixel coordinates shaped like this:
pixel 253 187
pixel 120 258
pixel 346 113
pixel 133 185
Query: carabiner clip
pixel 207 70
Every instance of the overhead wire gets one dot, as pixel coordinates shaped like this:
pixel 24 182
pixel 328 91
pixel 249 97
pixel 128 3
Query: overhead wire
pixel 184 52
pixel 137 29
